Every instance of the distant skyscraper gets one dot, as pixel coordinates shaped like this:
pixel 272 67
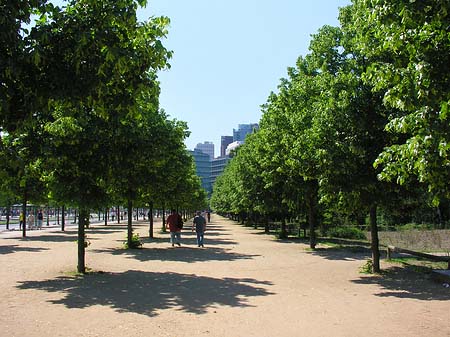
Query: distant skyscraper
pixel 203 168
pixel 206 147
pixel 243 130
pixel 209 168
pixel 224 142
pixel 217 167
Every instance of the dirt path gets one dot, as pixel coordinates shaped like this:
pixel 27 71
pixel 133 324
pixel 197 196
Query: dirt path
pixel 242 283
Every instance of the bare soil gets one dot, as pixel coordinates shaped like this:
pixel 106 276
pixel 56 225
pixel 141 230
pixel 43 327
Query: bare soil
pixel 243 283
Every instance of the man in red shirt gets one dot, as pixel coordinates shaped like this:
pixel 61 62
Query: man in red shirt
pixel 175 224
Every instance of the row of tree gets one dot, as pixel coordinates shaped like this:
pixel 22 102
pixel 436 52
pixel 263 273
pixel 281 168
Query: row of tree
pixel 80 118
pixel 360 125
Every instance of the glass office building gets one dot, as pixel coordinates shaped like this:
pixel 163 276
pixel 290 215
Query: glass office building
pixel 206 147
pixel 217 167
pixel 243 130
pixel 224 142
pixel 203 169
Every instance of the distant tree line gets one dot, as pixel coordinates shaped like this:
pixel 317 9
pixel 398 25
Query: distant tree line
pixel 359 130
pixel 80 119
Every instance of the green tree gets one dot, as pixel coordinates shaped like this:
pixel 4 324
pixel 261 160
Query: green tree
pixel 22 164
pixel 139 145
pixel 95 60
pixel 407 45
pixel 18 66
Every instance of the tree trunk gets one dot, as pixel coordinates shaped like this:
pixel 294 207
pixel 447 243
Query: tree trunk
pixel 118 214
pixel 24 211
pixel 81 267
pixel 254 220
pixel 312 204
pixel 283 234
pixel 8 212
pixel 374 239
pixel 150 218
pixel 106 217
pixel 130 223
pixel 266 225
pixel 87 219
pixel 164 218
pixel 48 215
pixel 63 218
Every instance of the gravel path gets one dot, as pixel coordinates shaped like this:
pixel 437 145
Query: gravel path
pixel 243 283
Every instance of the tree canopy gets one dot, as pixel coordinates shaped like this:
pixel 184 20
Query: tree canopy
pixel 80 108
pixel 365 110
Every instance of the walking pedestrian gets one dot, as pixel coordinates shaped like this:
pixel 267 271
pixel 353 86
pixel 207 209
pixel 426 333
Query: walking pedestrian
pixel 208 214
pixel 175 224
pixel 30 220
pixel 40 218
pixel 199 223
pixel 21 220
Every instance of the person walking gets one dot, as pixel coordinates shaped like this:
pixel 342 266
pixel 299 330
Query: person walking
pixel 30 220
pixel 175 224
pixel 40 218
pixel 199 223
pixel 21 220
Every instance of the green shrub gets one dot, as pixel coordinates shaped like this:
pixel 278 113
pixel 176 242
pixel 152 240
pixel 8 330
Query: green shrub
pixel 346 232
pixel 366 268
pixel 414 226
pixel 281 235
pixel 135 242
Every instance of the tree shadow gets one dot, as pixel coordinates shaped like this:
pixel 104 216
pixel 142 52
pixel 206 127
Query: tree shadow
pixel 346 253
pixel 146 293
pixel 211 227
pixel 61 237
pixel 106 230
pixel 340 250
pixel 210 233
pixel 407 282
pixel 116 227
pixel 189 238
pixel 66 236
pixel 11 249
pixel 180 254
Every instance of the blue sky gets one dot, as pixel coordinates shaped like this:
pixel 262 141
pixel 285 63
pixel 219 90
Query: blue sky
pixel 229 55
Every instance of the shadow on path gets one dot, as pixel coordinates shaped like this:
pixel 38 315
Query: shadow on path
pixel 105 230
pixel 69 235
pixel 340 250
pixel 61 237
pixel 146 293
pixel 181 254
pixel 405 282
pixel 190 239
pixel 11 249
pixel 342 253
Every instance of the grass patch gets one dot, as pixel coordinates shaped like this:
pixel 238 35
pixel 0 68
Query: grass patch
pixel 348 245
pixel 418 264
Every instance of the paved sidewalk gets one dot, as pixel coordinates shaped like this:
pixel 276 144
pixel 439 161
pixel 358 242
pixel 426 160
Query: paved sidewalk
pixel 243 283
